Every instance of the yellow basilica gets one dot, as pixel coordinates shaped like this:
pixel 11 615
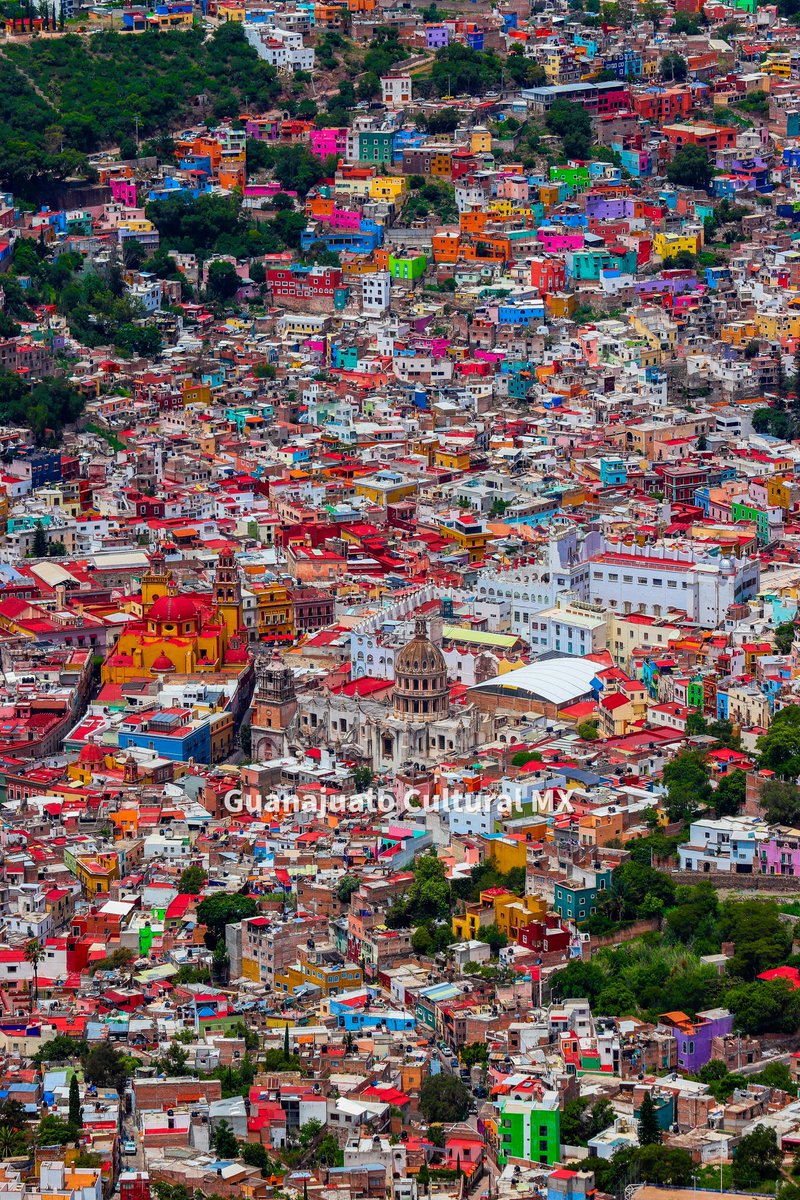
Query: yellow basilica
pixel 182 634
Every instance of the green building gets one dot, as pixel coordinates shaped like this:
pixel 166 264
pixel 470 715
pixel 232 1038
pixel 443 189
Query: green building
pixel 375 146
pixel 577 901
pixel 407 266
pixel 742 511
pixel 530 1130
pixel 694 694
pixel 574 177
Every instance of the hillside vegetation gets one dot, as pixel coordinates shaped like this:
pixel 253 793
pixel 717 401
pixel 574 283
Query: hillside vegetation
pixel 98 87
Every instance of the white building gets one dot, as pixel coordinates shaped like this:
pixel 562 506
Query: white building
pixel 376 292
pixel 729 844
pixel 655 579
pixel 572 626
pixel 535 587
pixel 280 47
pixel 395 90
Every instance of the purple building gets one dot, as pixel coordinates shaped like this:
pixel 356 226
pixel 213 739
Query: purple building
pixel 436 37
pixel 694 1037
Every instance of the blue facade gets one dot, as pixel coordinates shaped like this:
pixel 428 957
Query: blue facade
pixel 45 468
pixel 368 238
pixel 520 314
pixel 185 743
pixel 613 472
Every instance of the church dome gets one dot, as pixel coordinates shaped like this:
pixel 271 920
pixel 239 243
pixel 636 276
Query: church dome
pixel 162 664
pixel 419 656
pixel 172 609
pixel 421 691
pixel 91 755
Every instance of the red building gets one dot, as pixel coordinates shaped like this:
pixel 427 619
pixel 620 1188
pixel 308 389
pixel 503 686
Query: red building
pixel 548 275
pixel 304 282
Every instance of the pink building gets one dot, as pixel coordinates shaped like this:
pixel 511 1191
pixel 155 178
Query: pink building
pixel 323 142
pixel 555 240
pixel 123 191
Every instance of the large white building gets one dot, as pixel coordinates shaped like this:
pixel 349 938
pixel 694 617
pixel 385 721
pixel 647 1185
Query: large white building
pixel 535 587
pixel 658 578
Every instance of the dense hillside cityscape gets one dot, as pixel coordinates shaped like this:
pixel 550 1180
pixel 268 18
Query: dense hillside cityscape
pixel 399 585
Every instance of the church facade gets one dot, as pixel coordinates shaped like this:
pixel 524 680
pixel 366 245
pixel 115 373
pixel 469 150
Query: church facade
pixel 414 724
pixel 182 634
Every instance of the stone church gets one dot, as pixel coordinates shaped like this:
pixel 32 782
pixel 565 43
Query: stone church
pixel 414 723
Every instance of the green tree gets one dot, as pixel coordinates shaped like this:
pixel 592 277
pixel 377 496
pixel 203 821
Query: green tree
pixel 54 1131
pixel 494 938
pixel 192 881
pixel 173 1062
pixel 75 1116
pixel 34 953
pixel 780 802
pixel 573 125
pixel 674 67
pixel 104 1066
pixel 764 1007
pixel 421 941
pixel 39 545
pixel 225 1142
pixel 779 747
pixel 328 1152
pixel 363 779
pixel 444 1098
pixel 474 1053
pixel 215 912
pixel 222 281
pixel 784 633
pixel 345 888
pixel 588 730
pixel 687 781
pixel 690 167
pixel 253 1154
pixel 696 725
pixel 758 1157
pixel 648 1128
pixel 730 793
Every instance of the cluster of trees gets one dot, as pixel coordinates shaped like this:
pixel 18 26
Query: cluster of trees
pixel 212 225
pixel 30 152
pixel 44 409
pixel 581 1120
pixel 215 912
pixel 690 167
pixel 663 972
pixel 459 70
pixel 426 198
pixel 572 123
pixel 444 1098
pixel 101 86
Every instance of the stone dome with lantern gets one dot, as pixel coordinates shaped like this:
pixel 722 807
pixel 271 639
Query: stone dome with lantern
pixel 421 691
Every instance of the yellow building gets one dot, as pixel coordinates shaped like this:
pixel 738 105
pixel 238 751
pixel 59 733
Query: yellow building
pixel 469 534
pixel 480 140
pixel 667 245
pixel 275 613
pixel 386 488
pixel 183 634
pixel 94 872
pixel 387 187
pixel 778 325
pixel 329 979
pixel 502 908
pixel 508 852
pixel 452 460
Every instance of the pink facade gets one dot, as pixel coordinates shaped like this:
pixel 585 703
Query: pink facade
pixel 323 142
pixel 123 191
pixel 513 189
pixel 555 240
pixel 341 218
